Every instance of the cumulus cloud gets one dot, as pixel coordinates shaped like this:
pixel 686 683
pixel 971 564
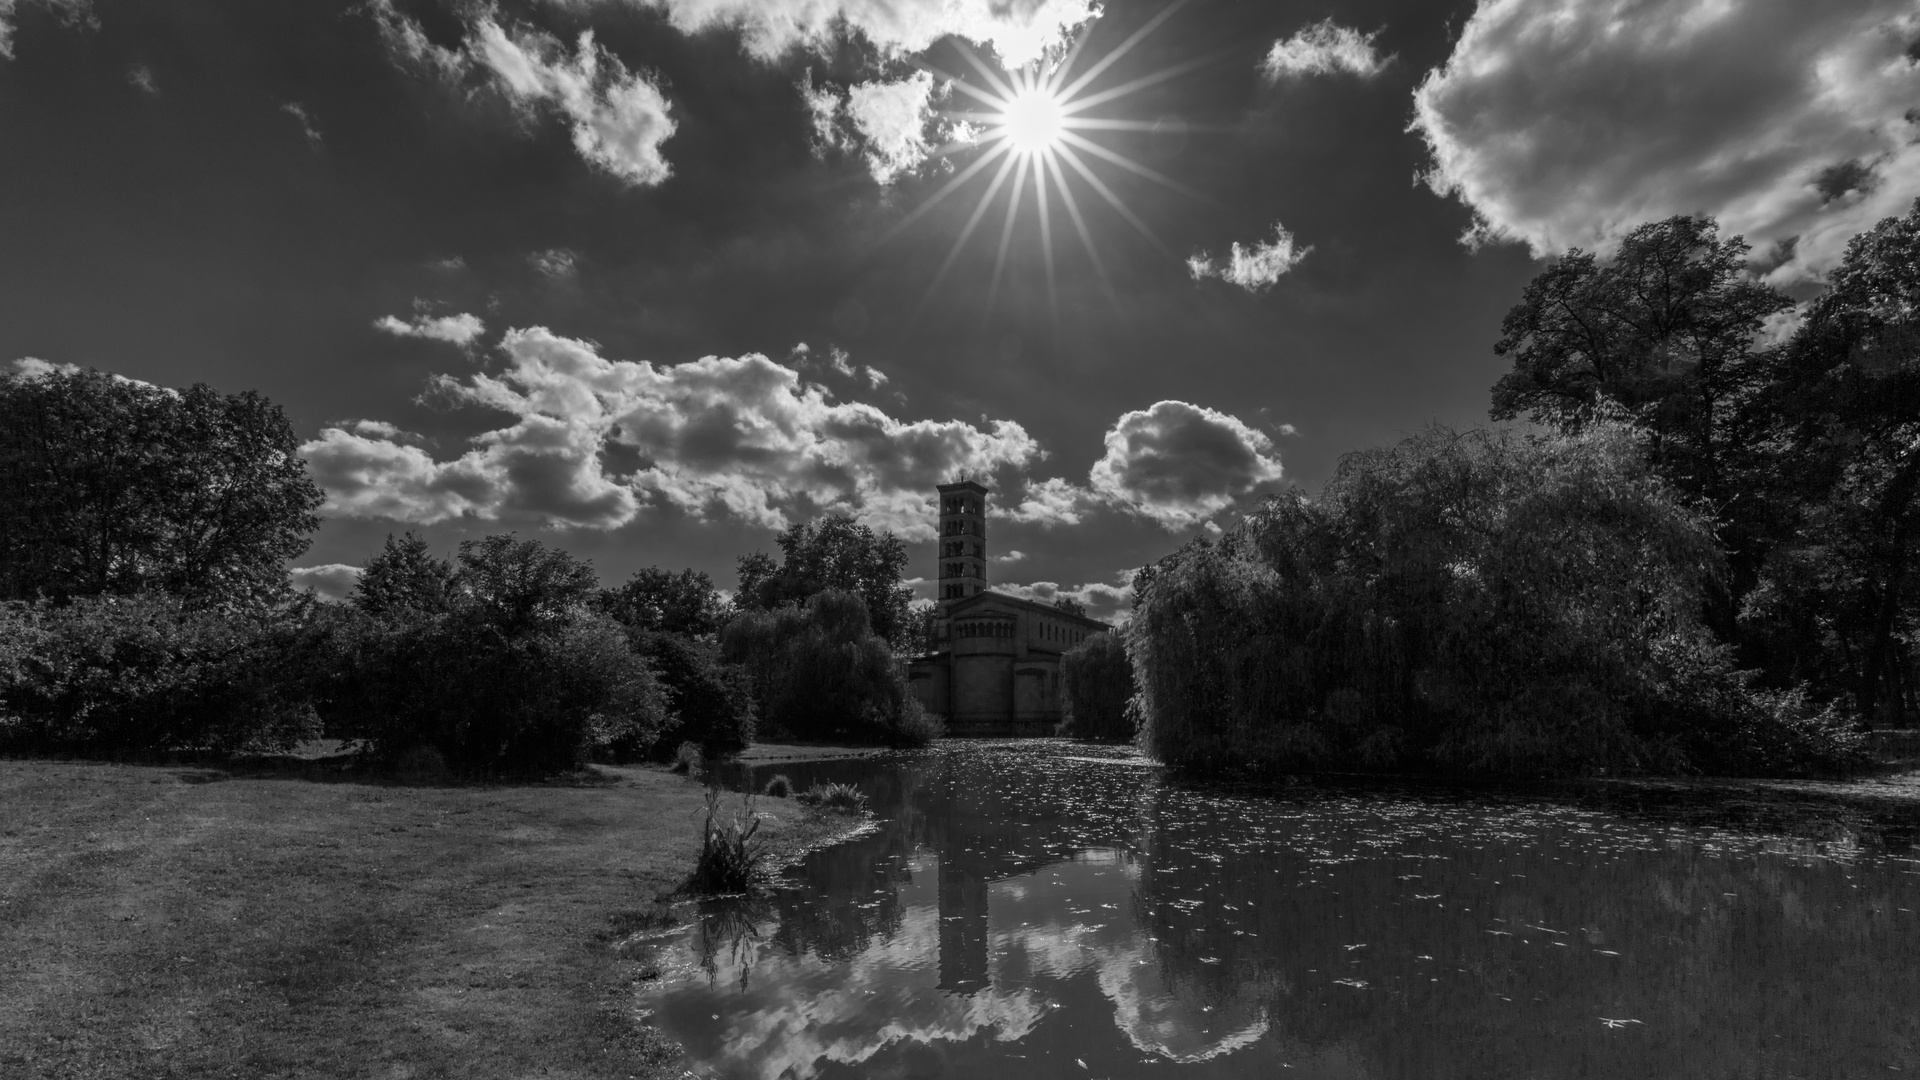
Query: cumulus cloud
pixel 743 437
pixel 1324 48
pixel 1053 501
pixel 1018 33
pixel 1255 267
pixel 461 329
pixel 619 118
pixel 1563 123
pixel 331 581
pixel 1179 464
pixel 892 120
pixel 32 367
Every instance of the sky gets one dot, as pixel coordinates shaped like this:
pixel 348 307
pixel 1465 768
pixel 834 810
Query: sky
pixel 653 279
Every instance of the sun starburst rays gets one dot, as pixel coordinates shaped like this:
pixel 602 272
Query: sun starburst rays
pixel 1031 122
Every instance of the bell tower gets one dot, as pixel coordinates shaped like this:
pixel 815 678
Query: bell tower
pixel 963 540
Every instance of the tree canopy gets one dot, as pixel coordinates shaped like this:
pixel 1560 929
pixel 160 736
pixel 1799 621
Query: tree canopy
pixel 832 553
pixel 113 486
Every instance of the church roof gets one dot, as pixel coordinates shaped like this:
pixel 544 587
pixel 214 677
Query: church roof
pixel 996 600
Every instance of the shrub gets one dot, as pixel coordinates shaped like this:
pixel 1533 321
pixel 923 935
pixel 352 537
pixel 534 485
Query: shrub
pixel 148 672
pixel 686 760
pixel 820 673
pixel 842 797
pixel 710 701
pixel 1096 685
pixel 779 787
pixel 531 700
pixel 730 856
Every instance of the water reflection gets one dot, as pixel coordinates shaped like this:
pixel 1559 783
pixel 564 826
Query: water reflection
pixel 1043 910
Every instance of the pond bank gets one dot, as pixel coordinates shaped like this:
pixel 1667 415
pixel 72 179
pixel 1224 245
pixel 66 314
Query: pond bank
pixel 168 920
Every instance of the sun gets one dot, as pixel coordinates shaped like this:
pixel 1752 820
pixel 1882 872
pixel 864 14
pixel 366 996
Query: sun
pixel 1034 123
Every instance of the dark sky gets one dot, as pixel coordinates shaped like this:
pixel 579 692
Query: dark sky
pixel 504 278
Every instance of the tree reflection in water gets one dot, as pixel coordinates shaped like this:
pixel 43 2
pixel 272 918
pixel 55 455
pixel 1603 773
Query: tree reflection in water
pixel 1024 909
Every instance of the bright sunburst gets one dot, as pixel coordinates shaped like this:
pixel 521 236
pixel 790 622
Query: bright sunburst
pixel 1033 124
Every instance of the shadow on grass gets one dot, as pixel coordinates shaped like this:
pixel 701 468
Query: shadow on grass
pixel 335 767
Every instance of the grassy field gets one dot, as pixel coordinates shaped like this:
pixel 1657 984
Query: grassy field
pixel 181 921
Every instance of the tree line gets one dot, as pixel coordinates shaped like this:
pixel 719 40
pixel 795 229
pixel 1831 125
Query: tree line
pixel 145 535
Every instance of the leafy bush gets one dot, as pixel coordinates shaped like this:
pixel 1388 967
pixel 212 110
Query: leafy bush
pixel 710 702
pixel 1467 603
pixel 842 797
pixel 1096 685
pixel 686 760
pixel 147 673
pixel 820 673
pixel 779 787
pixel 730 856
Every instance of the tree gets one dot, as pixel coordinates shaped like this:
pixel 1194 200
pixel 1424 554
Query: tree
pixel 832 553
pixel 663 601
pixel 1663 333
pixel 1069 605
pixel 113 486
pixel 1839 604
pixel 404 576
pixel 521 584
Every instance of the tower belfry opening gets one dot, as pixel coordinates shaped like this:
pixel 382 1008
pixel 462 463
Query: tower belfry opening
pixel 963 541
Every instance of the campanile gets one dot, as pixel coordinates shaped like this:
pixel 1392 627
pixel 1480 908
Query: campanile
pixel 963 540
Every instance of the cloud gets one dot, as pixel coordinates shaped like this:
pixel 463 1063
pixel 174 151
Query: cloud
pixel 1109 603
pixel 381 429
pixel 1179 464
pixel 32 367
pixel 140 75
pixel 299 112
pixel 1564 123
pixel 71 12
pixel 1018 33
pixel 333 581
pixel 555 262
pixel 1324 48
pixel 1252 268
pixel 744 438
pixel 891 118
pixel 462 329
pixel 1010 556
pixel 1053 501
pixel 619 118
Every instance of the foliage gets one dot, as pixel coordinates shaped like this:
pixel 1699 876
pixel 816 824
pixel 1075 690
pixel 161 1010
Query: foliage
pixel 520 585
pixel 405 577
pixel 1096 687
pixel 710 701
pixel 686 759
pixel 844 798
pixel 730 856
pixel 1462 602
pixel 832 553
pixel 1070 605
pixel 111 674
pixel 819 673
pixel 108 485
pixel 778 787
pixel 661 601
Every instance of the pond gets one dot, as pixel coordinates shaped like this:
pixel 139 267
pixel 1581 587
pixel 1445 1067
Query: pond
pixel 1044 909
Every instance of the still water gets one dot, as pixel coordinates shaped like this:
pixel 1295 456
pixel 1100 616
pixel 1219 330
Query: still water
pixel 1042 909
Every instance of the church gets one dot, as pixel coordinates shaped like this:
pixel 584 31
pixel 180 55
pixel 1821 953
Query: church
pixel 995 668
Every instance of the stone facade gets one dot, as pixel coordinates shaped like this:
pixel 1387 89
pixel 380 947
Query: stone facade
pixel 996 665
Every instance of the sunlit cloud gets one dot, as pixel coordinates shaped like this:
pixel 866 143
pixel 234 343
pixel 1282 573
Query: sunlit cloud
pixel 305 119
pixel 461 329
pixel 1255 267
pixel 1179 464
pixel 744 438
pixel 1564 123
pixel 331 581
pixel 1017 33
pixel 71 12
pixel 1324 48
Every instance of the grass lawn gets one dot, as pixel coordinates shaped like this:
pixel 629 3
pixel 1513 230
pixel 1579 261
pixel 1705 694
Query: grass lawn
pixel 184 921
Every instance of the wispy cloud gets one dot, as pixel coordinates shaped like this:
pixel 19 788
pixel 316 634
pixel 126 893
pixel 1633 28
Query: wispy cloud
pixel 1324 48
pixel 1254 267
pixel 461 329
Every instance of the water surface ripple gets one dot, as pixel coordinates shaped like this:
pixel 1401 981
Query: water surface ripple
pixel 1042 909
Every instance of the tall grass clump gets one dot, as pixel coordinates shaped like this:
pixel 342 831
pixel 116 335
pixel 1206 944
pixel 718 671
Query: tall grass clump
pixel 1096 683
pixel 730 856
pixel 686 760
pixel 779 787
pixel 844 798
pixel 1460 602
pixel 821 674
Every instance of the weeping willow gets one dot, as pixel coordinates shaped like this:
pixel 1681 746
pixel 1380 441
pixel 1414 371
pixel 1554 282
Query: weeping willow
pixel 1467 602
